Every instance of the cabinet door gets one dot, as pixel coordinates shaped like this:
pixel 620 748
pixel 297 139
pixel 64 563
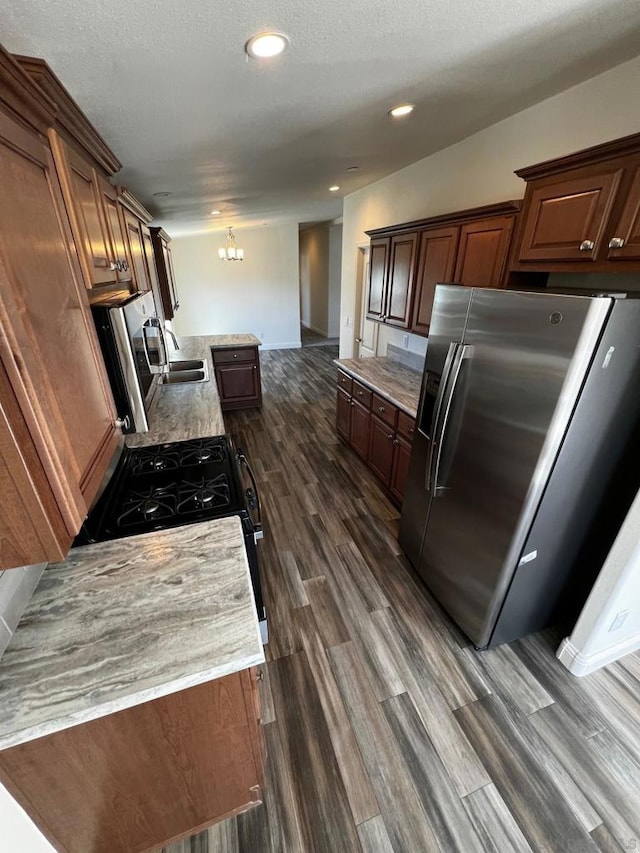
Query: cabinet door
pixel 238 384
pixel 402 262
pixel 628 228
pixel 482 252
pixel 359 431
pixel 152 270
pixel 376 298
pixel 47 339
pixel 343 415
pixel 133 230
pixel 400 467
pixel 171 278
pixel 381 437
pixel 82 197
pixel 565 221
pixel 117 240
pixel 437 261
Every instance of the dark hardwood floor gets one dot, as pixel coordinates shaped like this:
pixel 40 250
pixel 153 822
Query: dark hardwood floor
pixel 385 731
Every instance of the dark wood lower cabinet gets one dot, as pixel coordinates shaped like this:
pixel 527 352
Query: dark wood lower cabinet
pixel 142 777
pixel 400 466
pixel 377 430
pixel 381 448
pixel 238 377
pixel 359 430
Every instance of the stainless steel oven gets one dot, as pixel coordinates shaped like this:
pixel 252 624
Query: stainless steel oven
pixel 135 352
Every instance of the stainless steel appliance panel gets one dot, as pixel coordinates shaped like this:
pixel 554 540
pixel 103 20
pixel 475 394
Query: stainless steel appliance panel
pixel 448 321
pixel 518 375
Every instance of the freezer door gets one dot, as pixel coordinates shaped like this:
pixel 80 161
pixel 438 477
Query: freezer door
pixel 448 319
pixel 514 386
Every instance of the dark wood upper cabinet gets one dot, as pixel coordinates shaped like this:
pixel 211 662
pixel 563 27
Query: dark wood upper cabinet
pixel 584 207
pixel 483 251
pixel 625 241
pixel 407 261
pixel 566 220
pixel 164 267
pixel 437 260
pixel 400 278
pixel 378 262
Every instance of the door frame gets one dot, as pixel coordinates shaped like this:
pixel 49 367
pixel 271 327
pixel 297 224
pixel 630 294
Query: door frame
pixel 360 318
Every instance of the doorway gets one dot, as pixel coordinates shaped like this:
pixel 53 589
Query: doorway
pixel 365 332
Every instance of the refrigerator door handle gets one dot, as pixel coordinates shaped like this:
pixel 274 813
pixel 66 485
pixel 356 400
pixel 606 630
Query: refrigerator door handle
pixel 442 390
pixel 464 353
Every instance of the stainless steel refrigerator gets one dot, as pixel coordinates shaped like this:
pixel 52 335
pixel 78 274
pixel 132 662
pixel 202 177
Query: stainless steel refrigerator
pixel 527 410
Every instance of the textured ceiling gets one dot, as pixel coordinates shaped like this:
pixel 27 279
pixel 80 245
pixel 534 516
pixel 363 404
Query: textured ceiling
pixel 169 87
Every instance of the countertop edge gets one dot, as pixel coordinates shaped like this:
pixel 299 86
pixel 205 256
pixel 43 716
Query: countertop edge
pixel 108 708
pixel 413 413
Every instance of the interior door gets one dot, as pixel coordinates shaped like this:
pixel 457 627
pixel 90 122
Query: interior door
pixel 518 372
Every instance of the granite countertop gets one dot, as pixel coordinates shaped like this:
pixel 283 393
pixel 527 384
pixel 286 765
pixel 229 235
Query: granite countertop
pixel 126 621
pixel 223 341
pixel 387 377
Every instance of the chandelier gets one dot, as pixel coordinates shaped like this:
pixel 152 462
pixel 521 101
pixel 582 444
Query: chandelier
pixel 231 252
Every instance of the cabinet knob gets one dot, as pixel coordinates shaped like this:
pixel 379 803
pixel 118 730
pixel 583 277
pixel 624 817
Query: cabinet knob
pixel 122 423
pixel 616 242
pixel 359 393
pixel 381 408
pixel 113 266
pixel 260 675
pixel 390 437
pixel 255 366
pixel 586 245
pixel 352 403
pixel 395 441
pixel 235 355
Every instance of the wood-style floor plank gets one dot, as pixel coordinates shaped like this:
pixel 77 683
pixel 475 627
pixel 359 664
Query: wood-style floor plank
pixel 403 813
pixel 494 823
pixel 374 837
pixel 360 794
pixel 320 799
pixel 328 615
pixel 538 806
pixel 608 844
pixel 449 821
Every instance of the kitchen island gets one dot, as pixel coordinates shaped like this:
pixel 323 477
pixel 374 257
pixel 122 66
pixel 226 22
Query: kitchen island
pixel 192 410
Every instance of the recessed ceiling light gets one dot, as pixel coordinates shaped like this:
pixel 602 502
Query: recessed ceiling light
pixel 266 45
pixel 163 194
pixel 353 168
pixel 334 188
pixel 215 213
pixel 401 110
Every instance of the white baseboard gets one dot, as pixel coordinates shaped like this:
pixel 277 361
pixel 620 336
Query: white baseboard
pixel 315 329
pixel 579 664
pixel 287 345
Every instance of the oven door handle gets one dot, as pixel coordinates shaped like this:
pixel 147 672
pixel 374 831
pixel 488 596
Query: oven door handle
pixel 253 492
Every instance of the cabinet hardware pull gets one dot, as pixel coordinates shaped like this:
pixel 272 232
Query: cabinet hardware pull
pixel 359 393
pixel 255 366
pixel 113 266
pixel 235 355
pixel 586 245
pixel 381 408
pixel 390 436
pixel 260 675
pixel 395 441
pixel 352 403
pixel 616 242
pixel 122 423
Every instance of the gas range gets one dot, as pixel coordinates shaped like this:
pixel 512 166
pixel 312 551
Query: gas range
pixel 168 485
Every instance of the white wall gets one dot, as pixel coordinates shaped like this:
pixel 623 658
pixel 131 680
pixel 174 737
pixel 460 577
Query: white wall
pixel 597 639
pixel 259 294
pixel 479 170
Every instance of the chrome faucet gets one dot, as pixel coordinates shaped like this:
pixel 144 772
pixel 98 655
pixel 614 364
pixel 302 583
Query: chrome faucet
pixel 173 337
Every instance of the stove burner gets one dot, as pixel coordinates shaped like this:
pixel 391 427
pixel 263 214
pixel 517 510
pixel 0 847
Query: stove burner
pixel 203 494
pixel 144 505
pixel 202 451
pixel 154 459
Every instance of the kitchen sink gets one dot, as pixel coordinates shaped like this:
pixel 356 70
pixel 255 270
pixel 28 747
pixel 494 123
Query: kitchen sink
pixel 190 364
pixel 183 372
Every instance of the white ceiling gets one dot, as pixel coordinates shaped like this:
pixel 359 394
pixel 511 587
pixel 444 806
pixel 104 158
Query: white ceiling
pixel 169 87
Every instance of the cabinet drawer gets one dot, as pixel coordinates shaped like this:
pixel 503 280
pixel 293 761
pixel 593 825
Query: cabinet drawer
pixel 344 382
pixel 406 425
pixel 224 356
pixel 361 393
pixel 384 410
